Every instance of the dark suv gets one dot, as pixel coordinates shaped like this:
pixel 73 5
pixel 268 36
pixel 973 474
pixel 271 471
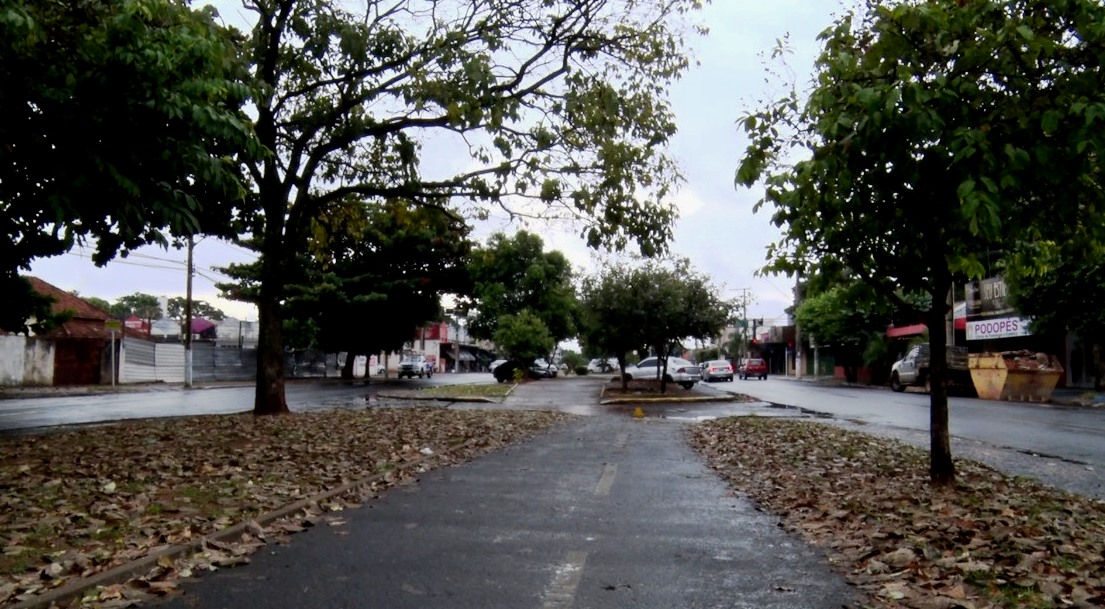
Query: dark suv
pixel 754 367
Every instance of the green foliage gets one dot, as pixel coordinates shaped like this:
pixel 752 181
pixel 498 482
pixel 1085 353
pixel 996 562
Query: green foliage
pixel 937 143
pixel 936 133
pixel 574 360
pixel 1059 286
pixel 368 276
pixel 523 336
pixel 200 308
pixel 705 355
pixel 649 307
pixel 514 274
pixel 122 124
pixel 97 302
pixel 559 108
pixel 144 306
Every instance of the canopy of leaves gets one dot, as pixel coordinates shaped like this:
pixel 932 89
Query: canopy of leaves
pixel 200 308
pixel 139 304
pixel 523 336
pixel 936 132
pixel 368 275
pixel 653 306
pixel 512 275
pixel 559 106
pixel 1059 286
pixel 122 124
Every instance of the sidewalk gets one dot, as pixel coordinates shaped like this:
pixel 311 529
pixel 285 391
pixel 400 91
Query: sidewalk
pixel 608 512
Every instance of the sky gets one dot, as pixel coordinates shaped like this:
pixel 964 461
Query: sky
pixel 717 229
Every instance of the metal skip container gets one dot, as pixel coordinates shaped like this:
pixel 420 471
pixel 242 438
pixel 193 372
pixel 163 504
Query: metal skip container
pixel 1023 376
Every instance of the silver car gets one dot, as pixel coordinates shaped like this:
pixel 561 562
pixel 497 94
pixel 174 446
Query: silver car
pixel 680 371
pixel 717 370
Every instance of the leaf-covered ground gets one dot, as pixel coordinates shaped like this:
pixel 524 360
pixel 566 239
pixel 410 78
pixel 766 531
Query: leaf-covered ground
pixel 78 503
pixel 991 541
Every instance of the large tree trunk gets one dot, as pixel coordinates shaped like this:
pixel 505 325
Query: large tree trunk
pixel 347 369
pixel 269 397
pixel 941 467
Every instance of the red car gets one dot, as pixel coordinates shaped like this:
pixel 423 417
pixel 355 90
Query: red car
pixel 754 367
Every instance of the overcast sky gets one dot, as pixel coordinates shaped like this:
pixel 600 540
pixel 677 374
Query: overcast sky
pixel 717 229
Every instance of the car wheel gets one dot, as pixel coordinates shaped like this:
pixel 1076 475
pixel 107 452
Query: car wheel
pixel 763 378
pixel 687 385
pixel 896 383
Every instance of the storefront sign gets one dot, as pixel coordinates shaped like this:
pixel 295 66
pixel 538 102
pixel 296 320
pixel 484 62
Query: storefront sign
pixel 1002 327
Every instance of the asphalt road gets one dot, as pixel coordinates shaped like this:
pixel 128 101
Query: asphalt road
pixel 607 512
pixel 44 409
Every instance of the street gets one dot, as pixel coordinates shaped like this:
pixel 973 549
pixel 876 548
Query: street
pixel 1061 445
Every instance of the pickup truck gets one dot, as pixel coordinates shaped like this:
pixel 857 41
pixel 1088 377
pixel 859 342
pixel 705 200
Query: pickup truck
pixel 415 365
pixel 913 368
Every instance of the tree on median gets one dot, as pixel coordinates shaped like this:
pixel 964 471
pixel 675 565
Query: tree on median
pixel 935 132
pixel 554 107
pixel 652 306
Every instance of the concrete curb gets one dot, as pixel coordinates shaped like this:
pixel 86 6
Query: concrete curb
pixel 723 397
pixel 124 573
pixel 443 398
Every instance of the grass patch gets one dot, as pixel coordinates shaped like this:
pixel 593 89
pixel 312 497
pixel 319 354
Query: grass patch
pixel 490 390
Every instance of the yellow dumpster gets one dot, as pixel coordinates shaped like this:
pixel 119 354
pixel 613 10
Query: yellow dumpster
pixel 1014 375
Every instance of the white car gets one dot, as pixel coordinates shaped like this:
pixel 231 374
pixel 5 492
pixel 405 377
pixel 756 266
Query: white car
pixel 599 365
pixel 680 371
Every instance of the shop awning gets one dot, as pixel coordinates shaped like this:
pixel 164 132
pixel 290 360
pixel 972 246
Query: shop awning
pixel 901 331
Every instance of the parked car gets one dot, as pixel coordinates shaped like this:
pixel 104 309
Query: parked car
pixel 717 370
pixel 680 371
pixel 495 364
pixel 754 367
pixel 599 365
pixel 542 369
pixel 913 368
pixel 415 365
pixel 505 371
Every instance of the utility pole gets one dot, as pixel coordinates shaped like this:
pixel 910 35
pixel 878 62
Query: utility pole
pixel 188 319
pixel 797 329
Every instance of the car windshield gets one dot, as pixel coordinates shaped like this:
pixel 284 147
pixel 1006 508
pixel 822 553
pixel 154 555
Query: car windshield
pixel 755 362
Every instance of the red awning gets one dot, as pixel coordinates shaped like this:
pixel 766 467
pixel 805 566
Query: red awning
pixel 899 332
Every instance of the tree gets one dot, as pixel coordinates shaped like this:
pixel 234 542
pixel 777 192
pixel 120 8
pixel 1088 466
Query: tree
pixel 845 317
pixel 122 123
pixel 1059 286
pixel 523 336
pixel 200 308
pixel 653 306
pixel 368 276
pixel 612 314
pixel 935 132
pixel 512 275
pixel 143 306
pixel 96 301
pixel 561 105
